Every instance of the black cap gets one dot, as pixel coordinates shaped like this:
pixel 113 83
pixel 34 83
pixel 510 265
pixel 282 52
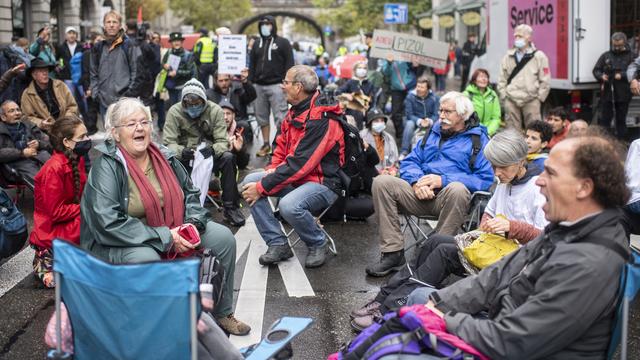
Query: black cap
pixel 376 114
pixel 204 31
pixel 175 36
pixel 224 103
pixel 38 63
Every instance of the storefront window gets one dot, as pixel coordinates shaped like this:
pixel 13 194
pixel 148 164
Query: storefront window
pixel 18 18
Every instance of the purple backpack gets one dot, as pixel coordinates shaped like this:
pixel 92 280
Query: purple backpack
pixel 403 332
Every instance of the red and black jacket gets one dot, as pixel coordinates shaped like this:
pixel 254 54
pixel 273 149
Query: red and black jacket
pixel 309 147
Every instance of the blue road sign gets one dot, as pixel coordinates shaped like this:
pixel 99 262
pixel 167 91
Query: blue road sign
pixel 396 13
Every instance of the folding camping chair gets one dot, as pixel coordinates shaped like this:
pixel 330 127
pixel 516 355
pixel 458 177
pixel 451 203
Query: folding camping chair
pixel 137 311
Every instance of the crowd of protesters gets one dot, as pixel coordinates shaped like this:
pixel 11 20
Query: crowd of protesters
pixel 558 185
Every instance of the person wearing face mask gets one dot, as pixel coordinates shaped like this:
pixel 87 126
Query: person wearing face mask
pixel 57 193
pixel 359 84
pixel 523 82
pixel 611 71
pixel 384 144
pixel 195 120
pixel 271 58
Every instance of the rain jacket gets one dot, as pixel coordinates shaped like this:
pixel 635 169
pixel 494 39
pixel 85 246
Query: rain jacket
pixel 55 215
pixel 449 158
pixel 487 106
pixel 271 57
pixel 554 298
pixel 402 76
pixel 105 222
pixel 416 108
pixel 309 148
pixel 180 131
pixel 611 63
pixel 532 82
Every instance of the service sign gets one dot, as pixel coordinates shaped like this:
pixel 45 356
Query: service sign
pixel 232 54
pixel 405 47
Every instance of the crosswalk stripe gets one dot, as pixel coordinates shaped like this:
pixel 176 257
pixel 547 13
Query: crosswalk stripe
pixel 295 279
pixel 244 236
pixel 16 269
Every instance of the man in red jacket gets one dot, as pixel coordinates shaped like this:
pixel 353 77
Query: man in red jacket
pixel 309 151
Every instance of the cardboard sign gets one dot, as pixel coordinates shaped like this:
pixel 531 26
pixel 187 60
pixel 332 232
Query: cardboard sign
pixel 405 47
pixel 232 54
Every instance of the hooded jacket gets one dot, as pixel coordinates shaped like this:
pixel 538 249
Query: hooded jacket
pixel 611 63
pixel 449 158
pixel 554 298
pixel 309 148
pixel 271 56
pixel 401 73
pixel 487 106
pixel 104 206
pixel 531 83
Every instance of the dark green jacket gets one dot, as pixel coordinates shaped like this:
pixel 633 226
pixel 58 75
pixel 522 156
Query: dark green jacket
pixel 104 204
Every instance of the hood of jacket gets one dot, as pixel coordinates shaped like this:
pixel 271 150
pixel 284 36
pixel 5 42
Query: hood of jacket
pixel 268 19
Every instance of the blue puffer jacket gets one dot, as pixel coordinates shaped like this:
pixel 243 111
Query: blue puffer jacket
pixel 416 108
pixel 402 75
pixel 450 159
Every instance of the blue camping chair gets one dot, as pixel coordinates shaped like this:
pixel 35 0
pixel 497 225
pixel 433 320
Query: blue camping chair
pixel 629 287
pixel 138 311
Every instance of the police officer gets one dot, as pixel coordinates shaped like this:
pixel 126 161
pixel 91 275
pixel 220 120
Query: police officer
pixel 204 55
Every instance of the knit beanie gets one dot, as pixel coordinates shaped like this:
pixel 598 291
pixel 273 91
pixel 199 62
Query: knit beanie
pixel 195 87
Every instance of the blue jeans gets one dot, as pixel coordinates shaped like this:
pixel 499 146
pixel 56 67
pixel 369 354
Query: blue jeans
pixel 407 135
pixel 297 206
pixel 420 296
pixel 78 94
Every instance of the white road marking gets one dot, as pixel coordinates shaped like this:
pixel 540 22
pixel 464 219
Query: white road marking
pixel 15 270
pixel 244 236
pixel 294 277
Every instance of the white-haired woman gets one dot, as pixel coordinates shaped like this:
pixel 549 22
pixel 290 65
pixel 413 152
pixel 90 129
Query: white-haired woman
pixel 517 198
pixel 138 194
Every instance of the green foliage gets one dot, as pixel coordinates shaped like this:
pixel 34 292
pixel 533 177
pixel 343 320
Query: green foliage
pixel 353 15
pixel 210 13
pixel 150 9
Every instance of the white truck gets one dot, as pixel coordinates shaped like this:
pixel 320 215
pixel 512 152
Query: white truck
pixel 572 33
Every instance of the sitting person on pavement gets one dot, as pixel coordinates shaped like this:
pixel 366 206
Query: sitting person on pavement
pixel 57 192
pixel 436 179
pixel 237 144
pixel 517 198
pixel 303 171
pixel 23 146
pixel 560 125
pixel 538 135
pixel 45 99
pixel 138 195
pixel 420 111
pixel 240 93
pixel 194 120
pixel 555 297
pixel 375 136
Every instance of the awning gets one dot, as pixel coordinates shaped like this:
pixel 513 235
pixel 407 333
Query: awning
pixel 446 7
pixel 469 5
pixel 425 14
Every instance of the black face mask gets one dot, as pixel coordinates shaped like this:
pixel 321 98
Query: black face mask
pixel 82 147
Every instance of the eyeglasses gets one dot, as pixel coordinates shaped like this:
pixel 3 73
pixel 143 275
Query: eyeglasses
pixel 287 82
pixel 447 112
pixel 134 125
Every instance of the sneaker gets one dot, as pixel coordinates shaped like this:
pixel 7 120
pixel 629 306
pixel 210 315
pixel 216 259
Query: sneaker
pixel 265 150
pixel 233 326
pixel 389 262
pixel 360 323
pixel 370 308
pixel 275 254
pixel 316 256
pixel 233 216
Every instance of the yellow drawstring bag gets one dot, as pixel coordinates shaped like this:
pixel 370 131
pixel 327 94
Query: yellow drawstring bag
pixel 487 249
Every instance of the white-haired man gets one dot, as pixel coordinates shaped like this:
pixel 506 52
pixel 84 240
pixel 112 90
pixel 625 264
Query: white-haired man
pixel 523 83
pixel 436 179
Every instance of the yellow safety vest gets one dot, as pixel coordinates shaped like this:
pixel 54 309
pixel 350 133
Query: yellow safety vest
pixel 206 54
pixel 342 51
pixel 319 50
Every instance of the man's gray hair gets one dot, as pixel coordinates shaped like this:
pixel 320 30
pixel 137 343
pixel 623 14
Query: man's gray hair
pixel 4 103
pixel 464 106
pixel 524 28
pixel 506 148
pixel 121 110
pixel 619 36
pixel 306 76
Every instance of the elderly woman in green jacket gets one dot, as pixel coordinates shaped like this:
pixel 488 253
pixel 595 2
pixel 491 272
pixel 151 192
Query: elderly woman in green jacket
pixel 485 100
pixel 136 197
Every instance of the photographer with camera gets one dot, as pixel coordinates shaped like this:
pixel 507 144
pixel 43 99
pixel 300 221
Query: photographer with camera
pixel 148 63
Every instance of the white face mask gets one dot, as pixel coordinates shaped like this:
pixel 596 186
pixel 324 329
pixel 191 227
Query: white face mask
pixel 265 30
pixel 361 73
pixel 519 43
pixel 378 127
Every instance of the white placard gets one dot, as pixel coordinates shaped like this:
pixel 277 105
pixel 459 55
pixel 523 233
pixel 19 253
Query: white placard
pixel 232 54
pixel 406 47
pixel 174 61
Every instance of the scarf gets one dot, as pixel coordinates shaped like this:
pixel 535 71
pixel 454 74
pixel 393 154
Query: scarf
pixel 173 214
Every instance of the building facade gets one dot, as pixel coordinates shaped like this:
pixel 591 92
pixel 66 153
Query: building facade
pixel 450 20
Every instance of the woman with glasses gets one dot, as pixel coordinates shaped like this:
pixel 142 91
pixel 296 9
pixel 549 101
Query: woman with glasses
pixel 57 191
pixel 138 195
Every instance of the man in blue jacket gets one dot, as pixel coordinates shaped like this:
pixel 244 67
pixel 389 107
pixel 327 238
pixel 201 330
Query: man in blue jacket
pixel 420 110
pixel 436 179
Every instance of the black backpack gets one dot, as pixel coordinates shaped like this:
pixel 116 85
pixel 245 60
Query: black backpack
pixel 354 157
pixel 13 227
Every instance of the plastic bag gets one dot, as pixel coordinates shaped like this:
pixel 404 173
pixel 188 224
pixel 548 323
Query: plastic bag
pixel 487 249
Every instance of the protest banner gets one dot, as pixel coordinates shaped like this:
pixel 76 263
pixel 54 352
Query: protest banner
pixel 406 47
pixel 232 54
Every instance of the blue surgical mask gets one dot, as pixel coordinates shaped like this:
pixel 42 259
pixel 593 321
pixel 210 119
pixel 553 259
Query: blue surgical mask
pixel 195 111
pixel 378 127
pixel 265 30
pixel 519 43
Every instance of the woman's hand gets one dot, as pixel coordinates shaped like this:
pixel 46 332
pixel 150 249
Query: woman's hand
pixel 181 244
pixel 496 225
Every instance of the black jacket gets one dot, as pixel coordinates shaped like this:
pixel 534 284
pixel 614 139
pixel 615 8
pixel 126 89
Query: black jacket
pixel 611 63
pixel 62 52
pixel 271 58
pixel 239 95
pixel 8 150
pixel 469 51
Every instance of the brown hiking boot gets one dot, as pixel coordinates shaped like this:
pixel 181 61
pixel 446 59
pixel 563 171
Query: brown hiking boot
pixel 233 326
pixel 265 150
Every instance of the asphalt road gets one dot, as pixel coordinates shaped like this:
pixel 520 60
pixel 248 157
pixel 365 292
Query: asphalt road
pixel 337 287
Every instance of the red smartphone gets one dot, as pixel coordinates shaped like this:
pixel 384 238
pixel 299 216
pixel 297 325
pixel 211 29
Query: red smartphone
pixel 239 131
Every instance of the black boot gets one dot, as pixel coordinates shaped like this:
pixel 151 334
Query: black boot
pixel 389 262
pixel 275 254
pixel 233 216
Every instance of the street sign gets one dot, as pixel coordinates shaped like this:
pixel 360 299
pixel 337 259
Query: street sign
pixel 396 13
